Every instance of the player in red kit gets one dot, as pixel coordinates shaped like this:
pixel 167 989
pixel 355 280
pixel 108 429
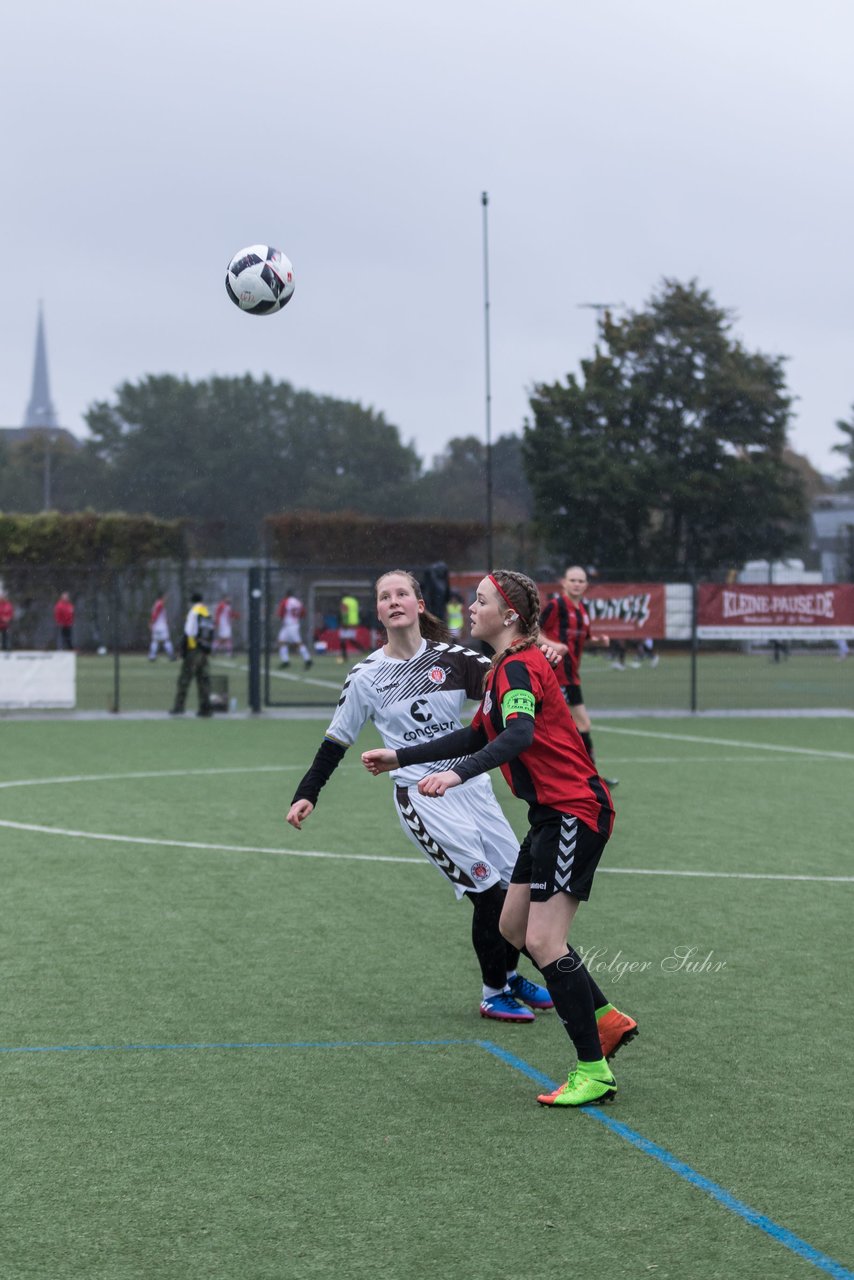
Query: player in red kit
pixel 523 726
pixel 565 623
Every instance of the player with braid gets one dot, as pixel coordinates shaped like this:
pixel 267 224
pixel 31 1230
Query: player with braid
pixel 565 623
pixel 414 689
pixel 523 726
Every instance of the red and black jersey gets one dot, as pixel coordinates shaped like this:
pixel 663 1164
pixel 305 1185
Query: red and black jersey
pixel 569 623
pixel 555 770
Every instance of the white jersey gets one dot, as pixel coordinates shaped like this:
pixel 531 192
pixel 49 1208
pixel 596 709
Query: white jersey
pixel 290 611
pixel 409 699
pixel 464 834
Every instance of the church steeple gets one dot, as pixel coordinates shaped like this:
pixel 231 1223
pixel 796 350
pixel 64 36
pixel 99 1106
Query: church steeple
pixel 40 411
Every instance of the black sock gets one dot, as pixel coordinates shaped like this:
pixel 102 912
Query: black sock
pixel 599 997
pixel 526 952
pixel 569 987
pixel 588 742
pixel 490 947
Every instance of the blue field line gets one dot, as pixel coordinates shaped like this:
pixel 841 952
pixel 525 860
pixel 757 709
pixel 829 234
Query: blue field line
pixel 229 1044
pixel 777 1233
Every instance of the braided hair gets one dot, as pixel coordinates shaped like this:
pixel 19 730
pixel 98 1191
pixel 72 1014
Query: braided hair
pixel 522 593
pixel 432 628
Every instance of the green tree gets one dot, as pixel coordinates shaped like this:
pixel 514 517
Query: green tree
pixel 667 452
pixel 229 451
pixel 846 447
pixel 75 474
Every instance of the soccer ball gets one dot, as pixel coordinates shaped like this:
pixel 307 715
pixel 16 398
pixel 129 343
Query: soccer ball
pixel 260 279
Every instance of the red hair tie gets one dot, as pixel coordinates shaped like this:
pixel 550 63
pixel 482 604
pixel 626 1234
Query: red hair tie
pixel 503 594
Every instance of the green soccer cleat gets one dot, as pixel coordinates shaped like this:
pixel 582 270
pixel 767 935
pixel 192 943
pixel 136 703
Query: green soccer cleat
pixel 580 1090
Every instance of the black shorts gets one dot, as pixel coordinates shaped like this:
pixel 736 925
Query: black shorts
pixel 573 695
pixel 559 854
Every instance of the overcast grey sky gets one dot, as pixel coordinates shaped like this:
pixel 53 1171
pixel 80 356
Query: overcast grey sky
pixel 145 141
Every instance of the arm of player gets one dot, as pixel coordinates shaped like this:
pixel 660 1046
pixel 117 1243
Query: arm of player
pixel 329 756
pixel 459 743
pixel 516 737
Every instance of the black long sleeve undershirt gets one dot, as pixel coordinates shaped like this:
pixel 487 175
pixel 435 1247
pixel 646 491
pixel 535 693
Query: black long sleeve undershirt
pixel 329 756
pixel 480 754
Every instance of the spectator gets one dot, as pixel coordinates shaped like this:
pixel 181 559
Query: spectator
pixel 63 616
pixel 7 614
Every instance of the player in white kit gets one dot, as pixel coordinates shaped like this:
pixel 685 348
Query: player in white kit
pixel 414 689
pixel 291 612
pixel 159 628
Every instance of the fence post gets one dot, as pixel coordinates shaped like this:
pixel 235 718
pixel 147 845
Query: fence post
pixel 695 643
pixel 116 639
pixel 255 639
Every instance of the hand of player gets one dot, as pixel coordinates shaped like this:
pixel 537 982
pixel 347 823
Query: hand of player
pixel 550 653
pixel 379 760
pixel 298 812
pixel 602 640
pixel 436 784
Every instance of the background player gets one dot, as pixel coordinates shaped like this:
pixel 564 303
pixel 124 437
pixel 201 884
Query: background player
pixel 414 688
pixel 565 623
pixel 291 613
pixel 224 617
pixel 159 627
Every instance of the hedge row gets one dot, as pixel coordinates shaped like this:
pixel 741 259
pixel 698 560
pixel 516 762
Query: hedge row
pixel 312 537
pixel 113 541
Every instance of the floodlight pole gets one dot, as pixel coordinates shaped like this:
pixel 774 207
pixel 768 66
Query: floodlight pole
pixel 484 200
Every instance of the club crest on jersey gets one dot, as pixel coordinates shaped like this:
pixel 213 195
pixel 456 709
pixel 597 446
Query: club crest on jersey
pixel 480 871
pixel 487 702
pixel 437 675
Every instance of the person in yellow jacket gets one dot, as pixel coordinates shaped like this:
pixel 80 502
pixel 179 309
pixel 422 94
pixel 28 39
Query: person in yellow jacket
pixel 195 649
pixel 348 615
pixel 454 615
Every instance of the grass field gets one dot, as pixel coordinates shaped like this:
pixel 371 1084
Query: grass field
pixel 221 1059
pixel 806 680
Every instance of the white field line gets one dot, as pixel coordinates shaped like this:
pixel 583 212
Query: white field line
pixel 149 773
pixel 375 857
pixel 290 768
pixel 725 742
pixel 231 665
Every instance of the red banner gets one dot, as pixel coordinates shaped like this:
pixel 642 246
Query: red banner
pixel 623 610
pixel 810 611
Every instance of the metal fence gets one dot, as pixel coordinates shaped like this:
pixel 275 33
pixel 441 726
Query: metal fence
pixel 116 673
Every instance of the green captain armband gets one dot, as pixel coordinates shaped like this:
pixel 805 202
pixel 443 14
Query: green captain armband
pixel 518 702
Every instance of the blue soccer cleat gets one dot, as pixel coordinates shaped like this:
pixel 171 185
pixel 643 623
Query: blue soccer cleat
pixel 529 993
pixel 505 1008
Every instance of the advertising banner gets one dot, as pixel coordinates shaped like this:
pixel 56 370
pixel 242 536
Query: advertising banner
pixel 30 678
pixel 627 610
pixel 622 610
pixel 771 612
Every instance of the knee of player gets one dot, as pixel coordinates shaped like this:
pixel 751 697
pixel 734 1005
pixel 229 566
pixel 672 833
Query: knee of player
pixel 539 943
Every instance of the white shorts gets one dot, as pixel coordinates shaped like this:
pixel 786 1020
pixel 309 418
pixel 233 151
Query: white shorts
pixel 463 833
pixel 160 632
pixel 289 633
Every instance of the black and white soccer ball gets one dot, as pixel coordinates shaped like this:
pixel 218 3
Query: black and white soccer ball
pixel 260 280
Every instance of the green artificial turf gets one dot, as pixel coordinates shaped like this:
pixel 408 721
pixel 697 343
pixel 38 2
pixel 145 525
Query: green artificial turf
pixel 725 681
pixel 337 1157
